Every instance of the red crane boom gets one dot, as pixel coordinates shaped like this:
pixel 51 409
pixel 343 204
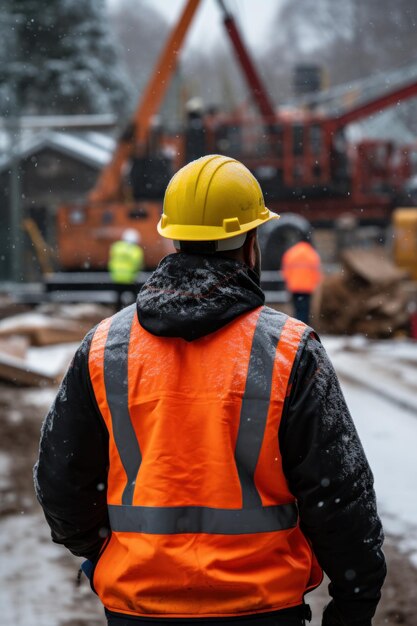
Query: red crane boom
pixel 256 87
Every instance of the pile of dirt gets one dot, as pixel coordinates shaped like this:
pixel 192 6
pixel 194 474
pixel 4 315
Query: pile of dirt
pixel 367 296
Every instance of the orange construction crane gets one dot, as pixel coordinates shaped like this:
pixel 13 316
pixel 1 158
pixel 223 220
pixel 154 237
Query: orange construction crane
pixel 108 186
pixel 85 232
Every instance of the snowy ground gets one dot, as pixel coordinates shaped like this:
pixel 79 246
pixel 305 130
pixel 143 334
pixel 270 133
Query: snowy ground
pixel 380 384
pixel 38 579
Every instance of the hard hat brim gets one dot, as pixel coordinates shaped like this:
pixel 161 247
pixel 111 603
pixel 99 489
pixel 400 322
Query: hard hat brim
pixel 185 232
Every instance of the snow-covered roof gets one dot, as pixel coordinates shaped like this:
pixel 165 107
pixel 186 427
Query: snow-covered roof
pixel 338 100
pixel 63 121
pixel 88 148
pixel 99 139
pixel 386 125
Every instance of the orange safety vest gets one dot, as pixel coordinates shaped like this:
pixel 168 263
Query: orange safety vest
pixel 301 268
pixel 203 523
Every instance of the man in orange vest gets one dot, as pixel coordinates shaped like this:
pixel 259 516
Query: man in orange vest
pixel 302 274
pixel 199 452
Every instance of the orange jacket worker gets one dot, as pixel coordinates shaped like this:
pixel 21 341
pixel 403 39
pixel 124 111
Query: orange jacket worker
pixel 199 452
pixel 302 274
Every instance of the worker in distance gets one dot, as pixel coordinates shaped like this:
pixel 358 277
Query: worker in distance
pixel 126 260
pixel 199 453
pixel 301 268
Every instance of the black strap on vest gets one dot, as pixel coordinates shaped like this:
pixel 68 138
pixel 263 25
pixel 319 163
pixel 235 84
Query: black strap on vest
pixel 294 616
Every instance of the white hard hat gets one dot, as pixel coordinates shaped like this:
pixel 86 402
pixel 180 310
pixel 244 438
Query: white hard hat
pixel 130 235
pixel 194 105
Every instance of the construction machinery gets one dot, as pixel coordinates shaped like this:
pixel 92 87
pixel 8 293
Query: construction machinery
pixel 300 156
pixel 404 222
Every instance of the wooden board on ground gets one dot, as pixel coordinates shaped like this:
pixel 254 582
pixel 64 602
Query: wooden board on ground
pixel 42 330
pixel 372 266
pixel 19 372
pixel 15 345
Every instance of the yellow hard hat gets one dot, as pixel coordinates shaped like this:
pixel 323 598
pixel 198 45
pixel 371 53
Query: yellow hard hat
pixel 211 199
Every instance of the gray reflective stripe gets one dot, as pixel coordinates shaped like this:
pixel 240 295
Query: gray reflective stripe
pixel 116 383
pixel 255 402
pixel 199 519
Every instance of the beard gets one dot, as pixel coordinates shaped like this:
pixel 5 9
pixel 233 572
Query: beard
pixel 258 258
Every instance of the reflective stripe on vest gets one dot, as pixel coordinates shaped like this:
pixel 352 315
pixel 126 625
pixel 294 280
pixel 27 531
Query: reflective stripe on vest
pixel 116 383
pixel 200 519
pixel 252 517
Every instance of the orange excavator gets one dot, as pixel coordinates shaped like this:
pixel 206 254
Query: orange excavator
pixel 301 158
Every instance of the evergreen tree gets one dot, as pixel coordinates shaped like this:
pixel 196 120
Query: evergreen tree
pixel 57 57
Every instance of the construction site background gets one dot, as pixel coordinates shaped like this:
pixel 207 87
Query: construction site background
pixel 333 143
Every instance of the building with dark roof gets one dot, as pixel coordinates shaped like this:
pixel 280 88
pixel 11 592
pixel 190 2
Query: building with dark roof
pixel 52 167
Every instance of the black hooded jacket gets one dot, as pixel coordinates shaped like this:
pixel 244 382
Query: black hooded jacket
pixel 326 468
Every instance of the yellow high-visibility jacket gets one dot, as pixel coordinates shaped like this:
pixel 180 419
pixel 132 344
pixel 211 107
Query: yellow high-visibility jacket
pixel 126 260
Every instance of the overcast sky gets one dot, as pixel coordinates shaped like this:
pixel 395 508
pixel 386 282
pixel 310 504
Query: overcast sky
pixel 253 18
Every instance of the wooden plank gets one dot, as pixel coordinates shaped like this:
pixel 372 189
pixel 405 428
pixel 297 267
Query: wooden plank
pixel 15 345
pixel 42 330
pixel 18 372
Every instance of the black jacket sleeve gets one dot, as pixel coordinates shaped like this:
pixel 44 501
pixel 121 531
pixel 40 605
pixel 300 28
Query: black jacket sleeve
pixel 71 473
pixel 328 473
